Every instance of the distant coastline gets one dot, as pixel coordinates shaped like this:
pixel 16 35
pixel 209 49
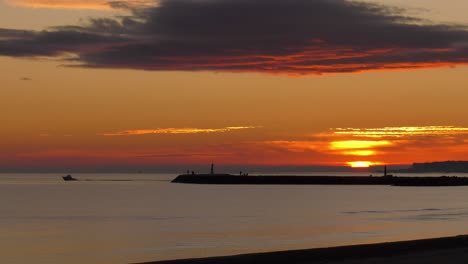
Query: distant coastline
pixel 439 166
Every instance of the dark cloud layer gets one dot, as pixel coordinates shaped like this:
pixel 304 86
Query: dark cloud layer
pixel 274 36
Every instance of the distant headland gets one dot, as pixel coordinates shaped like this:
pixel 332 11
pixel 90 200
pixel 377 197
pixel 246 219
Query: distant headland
pixel 439 166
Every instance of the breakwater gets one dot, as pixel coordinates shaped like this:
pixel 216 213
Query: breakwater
pixel 320 180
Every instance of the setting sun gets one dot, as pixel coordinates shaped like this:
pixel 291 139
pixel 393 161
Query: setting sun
pixel 360 164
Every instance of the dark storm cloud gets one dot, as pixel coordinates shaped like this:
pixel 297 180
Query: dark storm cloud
pixel 131 5
pixel 54 43
pixel 276 36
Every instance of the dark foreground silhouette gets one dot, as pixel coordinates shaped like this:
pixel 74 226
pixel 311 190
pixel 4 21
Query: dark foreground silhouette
pixel 321 180
pixel 69 178
pixel 437 250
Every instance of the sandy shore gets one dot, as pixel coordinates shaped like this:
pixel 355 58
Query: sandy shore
pixel 447 250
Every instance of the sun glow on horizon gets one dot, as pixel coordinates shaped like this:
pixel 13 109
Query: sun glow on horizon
pixel 367 152
pixel 358 148
pixel 397 132
pixel 361 164
pixel 364 147
pixel 357 144
pixel 368 142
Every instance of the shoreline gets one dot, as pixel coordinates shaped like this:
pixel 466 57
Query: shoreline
pixel 434 250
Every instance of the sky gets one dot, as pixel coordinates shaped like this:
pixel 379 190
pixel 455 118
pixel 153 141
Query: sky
pixel 138 84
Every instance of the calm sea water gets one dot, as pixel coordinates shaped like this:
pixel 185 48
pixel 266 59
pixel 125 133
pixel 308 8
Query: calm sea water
pixel 46 220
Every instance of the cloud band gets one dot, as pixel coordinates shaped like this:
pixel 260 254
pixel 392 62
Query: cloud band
pixel 271 36
pixel 176 131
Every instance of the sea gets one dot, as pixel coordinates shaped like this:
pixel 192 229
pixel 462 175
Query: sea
pixel 131 218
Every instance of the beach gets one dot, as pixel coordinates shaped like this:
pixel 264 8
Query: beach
pixel 437 250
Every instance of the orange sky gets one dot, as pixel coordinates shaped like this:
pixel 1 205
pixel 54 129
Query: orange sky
pixel 59 117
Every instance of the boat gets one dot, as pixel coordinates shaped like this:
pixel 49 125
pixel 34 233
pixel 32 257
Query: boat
pixel 69 178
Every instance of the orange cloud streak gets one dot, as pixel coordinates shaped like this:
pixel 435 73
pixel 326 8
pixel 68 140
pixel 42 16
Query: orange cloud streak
pixel 402 131
pixel 315 60
pixel 177 131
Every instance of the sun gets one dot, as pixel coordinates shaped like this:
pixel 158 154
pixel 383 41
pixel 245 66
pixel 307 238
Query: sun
pixel 360 164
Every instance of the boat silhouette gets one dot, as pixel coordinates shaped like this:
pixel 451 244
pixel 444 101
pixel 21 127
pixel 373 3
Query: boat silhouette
pixel 69 178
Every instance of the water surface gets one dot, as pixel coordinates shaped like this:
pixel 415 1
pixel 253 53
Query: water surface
pixel 122 218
